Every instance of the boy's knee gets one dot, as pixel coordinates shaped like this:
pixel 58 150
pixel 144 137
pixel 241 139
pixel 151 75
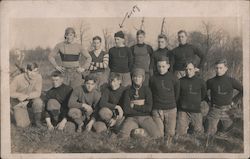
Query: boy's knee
pixel 37 105
pixel 99 127
pixel 53 104
pixel 105 114
pixel 75 113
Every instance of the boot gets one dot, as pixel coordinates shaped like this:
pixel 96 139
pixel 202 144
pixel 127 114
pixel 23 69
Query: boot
pixel 38 120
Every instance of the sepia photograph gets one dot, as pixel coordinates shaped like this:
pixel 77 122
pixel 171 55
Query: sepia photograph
pixel 124 79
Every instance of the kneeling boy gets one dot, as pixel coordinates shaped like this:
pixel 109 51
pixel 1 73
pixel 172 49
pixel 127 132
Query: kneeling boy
pixel 137 106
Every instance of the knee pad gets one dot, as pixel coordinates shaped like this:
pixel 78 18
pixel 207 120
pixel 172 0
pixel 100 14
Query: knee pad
pixel 75 113
pixel 105 113
pixel 99 127
pixel 53 104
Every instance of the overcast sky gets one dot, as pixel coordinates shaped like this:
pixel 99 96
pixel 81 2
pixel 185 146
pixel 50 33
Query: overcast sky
pixel 47 32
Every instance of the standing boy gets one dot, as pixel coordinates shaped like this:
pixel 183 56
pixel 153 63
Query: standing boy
pixel 111 113
pixel 27 88
pixel 142 54
pixel 192 92
pixel 121 59
pixel 137 106
pixel 70 53
pixel 162 51
pixel 56 103
pixel 83 101
pixel 100 61
pixel 183 53
pixel 222 97
pixel 165 89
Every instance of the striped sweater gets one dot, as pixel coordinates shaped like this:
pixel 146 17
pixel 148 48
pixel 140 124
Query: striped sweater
pixel 99 63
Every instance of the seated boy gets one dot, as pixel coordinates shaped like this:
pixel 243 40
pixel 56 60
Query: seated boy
pixel 165 89
pixel 56 103
pixel 83 101
pixel 111 112
pixel 192 92
pixel 137 106
pixel 222 97
pixel 26 88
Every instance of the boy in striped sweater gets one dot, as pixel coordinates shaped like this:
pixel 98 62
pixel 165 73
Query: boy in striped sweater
pixel 99 64
pixel 70 53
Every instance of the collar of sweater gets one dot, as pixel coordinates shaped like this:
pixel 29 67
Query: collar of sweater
pixel 162 49
pixel 97 52
pixel 183 45
pixel 141 45
pixel 190 78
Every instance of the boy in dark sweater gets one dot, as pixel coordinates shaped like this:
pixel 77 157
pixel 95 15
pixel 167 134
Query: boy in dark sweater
pixel 183 53
pixel 111 113
pixel 121 59
pixel 142 54
pixel 56 102
pixel 137 106
pixel 99 63
pixel 192 92
pixel 165 89
pixel 162 51
pixel 222 99
pixel 83 102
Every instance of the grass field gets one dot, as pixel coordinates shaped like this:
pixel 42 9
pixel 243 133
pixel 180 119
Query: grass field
pixel 34 140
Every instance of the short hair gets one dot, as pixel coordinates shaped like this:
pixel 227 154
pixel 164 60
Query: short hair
pixel 90 77
pixel 182 31
pixel 31 66
pixel 222 61
pixel 97 38
pixel 113 76
pixel 162 36
pixel 57 74
pixel 163 58
pixel 68 30
pixel 140 32
pixel 191 62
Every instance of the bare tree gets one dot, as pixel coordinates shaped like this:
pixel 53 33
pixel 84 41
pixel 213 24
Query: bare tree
pixel 107 39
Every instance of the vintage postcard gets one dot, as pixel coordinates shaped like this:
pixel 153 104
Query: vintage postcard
pixel 125 79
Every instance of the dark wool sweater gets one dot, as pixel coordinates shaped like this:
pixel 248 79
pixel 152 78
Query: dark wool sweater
pixel 110 98
pixel 137 110
pixel 192 92
pixel 165 90
pixel 120 59
pixel 61 94
pixel 182 53
pixel 221 88
pixel 142 54
pixel 157 55
pixel 98 64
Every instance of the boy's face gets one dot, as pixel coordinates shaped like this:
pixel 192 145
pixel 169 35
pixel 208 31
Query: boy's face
pixel 220 69
pixel 97 44
pixel 182 38
pixel 190 70
pixel 119 41
pixel 57 81
pixel 70 37
pixel 162 43
pixel 137 79
pixel 140 38
pixel 90 85
pixel 162 67
pixel 32 74
pixel 115 83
